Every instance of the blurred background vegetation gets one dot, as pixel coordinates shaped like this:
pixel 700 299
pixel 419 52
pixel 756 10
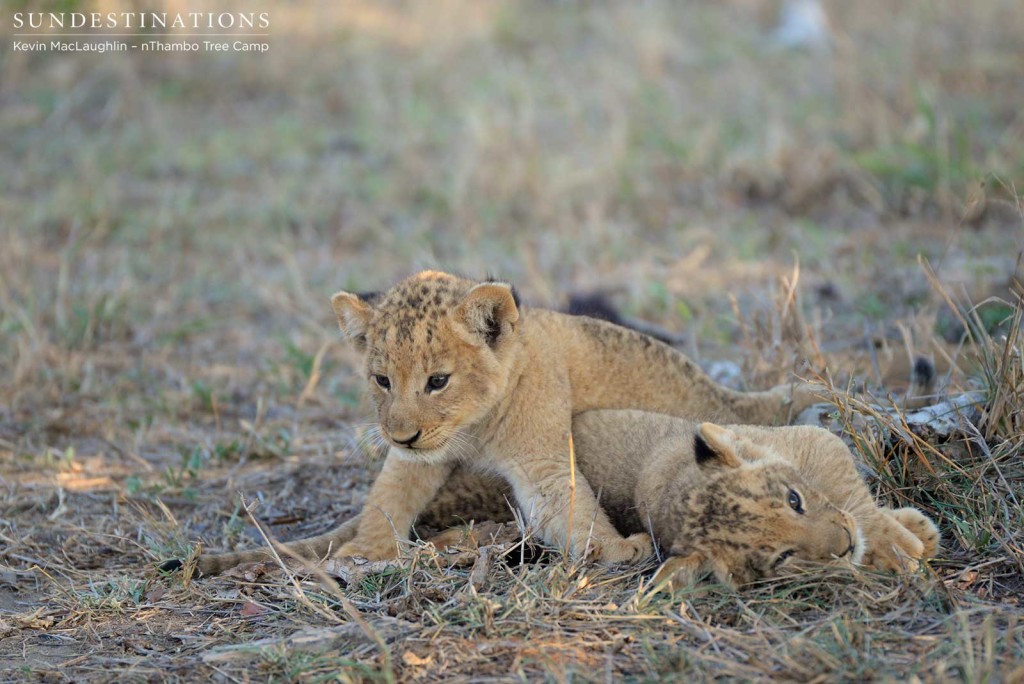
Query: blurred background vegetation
pixel 664 150
pixel 173 224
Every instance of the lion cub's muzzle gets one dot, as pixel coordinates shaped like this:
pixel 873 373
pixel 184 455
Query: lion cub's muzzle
pixel 408 443
pixel 854 539
pixel 852 548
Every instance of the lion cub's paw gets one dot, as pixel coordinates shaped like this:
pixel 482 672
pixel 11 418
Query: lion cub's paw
pixel 892 548
pixel 888 557
pixel 921 526
pixel 632 549
pixel 375 551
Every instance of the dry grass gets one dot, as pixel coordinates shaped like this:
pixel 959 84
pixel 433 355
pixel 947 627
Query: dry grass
pixel 172 227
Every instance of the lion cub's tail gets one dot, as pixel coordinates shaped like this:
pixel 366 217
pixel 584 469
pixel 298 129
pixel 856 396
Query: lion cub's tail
pixel 312 549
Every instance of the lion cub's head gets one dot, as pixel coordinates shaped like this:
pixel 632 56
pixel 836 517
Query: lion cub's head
pixel 754 516
pixel 436 356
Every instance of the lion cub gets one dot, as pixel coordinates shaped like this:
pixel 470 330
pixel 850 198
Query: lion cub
pixel 743 502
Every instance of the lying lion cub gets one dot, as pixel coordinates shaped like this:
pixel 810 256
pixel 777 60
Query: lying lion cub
pixel 741 502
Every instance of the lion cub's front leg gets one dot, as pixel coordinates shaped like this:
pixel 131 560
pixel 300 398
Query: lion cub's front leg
pixel 570 518
pixel 920 525
pixel 399 494
pixel 632 549
pixel 897 540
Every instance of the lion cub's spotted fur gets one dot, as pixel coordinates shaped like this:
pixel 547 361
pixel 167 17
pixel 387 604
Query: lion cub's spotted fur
pixel 744 502
pixel 462 374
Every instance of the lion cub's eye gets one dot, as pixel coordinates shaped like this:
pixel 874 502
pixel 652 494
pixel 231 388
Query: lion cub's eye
pixel 437 382
pixel 796 502
pixel 382 381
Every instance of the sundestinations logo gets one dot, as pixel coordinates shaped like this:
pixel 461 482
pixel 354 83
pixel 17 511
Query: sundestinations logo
pixel 53 21
pixel 140 31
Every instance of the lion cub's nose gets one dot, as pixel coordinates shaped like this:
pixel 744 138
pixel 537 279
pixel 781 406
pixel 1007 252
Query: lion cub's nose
pixel 408 442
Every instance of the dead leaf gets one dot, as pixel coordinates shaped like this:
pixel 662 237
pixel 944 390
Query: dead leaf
pixel 34 620
pixel 967 579
pixel 156 593
pixel 251 609
pixel 413 660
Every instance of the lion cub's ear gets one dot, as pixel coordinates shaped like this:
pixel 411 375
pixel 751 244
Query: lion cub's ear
pixel 354 315
pixel 715 445
pixel 489 311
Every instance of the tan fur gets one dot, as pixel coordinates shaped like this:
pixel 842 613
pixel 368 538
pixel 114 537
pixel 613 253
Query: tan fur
pixel 517 377
pixel 729 515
